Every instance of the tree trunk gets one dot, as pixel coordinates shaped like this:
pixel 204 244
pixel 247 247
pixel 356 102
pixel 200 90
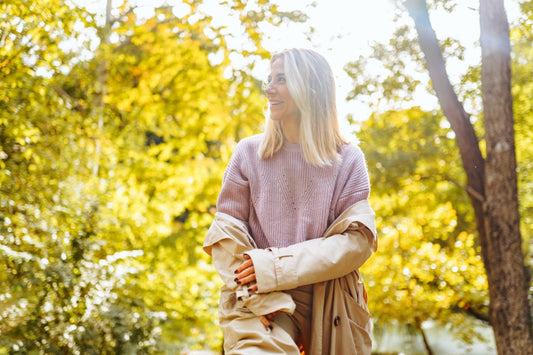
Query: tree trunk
pixel 493 191
pixel 509 282
pixel 465 135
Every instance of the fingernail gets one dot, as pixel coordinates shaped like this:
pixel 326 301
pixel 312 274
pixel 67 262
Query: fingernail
pixel 236 272
pixel 250 289
pixel 238 281
pixel 270 327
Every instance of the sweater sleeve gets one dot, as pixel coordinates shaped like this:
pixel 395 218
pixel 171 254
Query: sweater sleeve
pixel 224 241
pixel 355 181
pixel 234 197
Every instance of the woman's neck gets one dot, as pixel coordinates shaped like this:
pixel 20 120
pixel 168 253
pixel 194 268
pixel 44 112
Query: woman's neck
pixel 291 131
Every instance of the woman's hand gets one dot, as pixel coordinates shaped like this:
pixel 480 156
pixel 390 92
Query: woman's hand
pixel 246 274
pixel 267 318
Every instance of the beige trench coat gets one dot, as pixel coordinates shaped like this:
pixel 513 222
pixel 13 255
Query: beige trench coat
pixel 341 321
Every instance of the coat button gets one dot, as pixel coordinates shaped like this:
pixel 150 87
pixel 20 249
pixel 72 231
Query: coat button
pixel 336 321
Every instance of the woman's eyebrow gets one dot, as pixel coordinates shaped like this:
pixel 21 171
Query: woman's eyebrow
pixel 279 75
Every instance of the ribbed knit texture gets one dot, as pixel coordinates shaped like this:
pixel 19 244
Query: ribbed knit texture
pixel 284 199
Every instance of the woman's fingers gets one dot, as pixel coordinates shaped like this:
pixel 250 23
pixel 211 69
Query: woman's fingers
pixel 270 316
pixel 253 288
pixel 245 272
pixel 246 276
pixel 245 280
pixel 246 264
pixel 266 322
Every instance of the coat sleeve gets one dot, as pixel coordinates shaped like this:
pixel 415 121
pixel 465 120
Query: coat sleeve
pixel 316 260
pixel 228 238
pixel 227 242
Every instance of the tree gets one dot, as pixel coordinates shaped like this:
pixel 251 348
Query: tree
pixel 427 267
pixel 60 291
pixel 504 237
pixel 111 162
pixel 492 182
pixel 494 241
pixel 175 107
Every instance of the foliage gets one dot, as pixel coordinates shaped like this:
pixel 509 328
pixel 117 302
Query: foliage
pixel 61 290
pixel 110 164
pixel 418 180
pixel 110 168
pixel 522 37
pixel 427 266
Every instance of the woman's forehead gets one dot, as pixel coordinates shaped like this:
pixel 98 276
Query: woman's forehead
pixel 277 65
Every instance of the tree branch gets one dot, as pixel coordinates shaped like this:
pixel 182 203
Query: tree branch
pixel 466 138
pixel 483 317
pixel 467 188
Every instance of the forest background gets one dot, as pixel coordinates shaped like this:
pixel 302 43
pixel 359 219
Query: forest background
pixel 112 153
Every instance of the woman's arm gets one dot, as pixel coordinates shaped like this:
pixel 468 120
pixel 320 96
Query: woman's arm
pixel 228 238
pixel 227 241
pixel 312 261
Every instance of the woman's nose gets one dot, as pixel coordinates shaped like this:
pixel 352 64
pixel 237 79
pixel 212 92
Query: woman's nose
pixel 268 87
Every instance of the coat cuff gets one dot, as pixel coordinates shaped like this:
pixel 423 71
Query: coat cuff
pixel 265 303
pixel 274 270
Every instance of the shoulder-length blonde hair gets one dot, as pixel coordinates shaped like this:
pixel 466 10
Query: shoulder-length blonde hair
pixel 312 86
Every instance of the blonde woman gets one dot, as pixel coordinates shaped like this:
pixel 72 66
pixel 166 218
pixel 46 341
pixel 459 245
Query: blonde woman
pixel 293 224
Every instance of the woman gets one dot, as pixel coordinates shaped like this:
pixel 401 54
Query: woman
pixel 293 224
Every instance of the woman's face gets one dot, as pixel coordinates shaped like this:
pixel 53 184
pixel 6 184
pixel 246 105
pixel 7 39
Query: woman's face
pixel 281 104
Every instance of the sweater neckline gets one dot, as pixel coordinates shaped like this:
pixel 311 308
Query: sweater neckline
pixel 293 147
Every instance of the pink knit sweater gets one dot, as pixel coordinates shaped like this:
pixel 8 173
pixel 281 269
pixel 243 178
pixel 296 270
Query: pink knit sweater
pixel 284 199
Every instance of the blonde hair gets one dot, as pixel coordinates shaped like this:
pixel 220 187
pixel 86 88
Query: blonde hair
pixel 312 86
